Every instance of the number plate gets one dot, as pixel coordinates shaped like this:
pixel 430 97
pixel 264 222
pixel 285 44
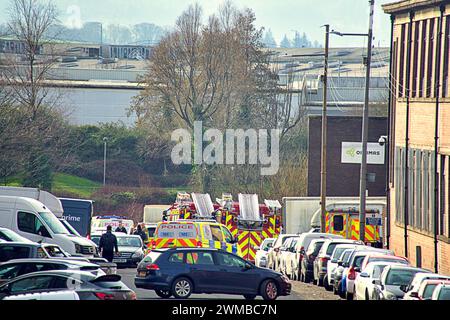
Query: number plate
pixel 142 274
pixel 120 260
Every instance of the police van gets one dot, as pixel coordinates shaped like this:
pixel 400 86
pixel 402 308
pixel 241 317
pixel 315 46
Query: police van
pixel 194 234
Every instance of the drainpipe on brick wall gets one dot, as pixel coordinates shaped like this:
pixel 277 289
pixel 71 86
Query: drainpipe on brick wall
pixel 408 93
pixel 437 80
pixel 389 140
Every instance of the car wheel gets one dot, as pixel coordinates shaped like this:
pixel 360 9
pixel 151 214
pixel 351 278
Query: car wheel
pixel 182 288
pixel 320 282
pixel 367 295
pixel 165 294
pixel 326 284
pixel 306 278
pixel 250 296
pixel 269 290
pixel 349 296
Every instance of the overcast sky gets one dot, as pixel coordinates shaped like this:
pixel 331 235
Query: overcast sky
pixel 281 16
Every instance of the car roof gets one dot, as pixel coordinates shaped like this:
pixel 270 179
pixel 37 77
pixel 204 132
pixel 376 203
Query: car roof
pixel 20 244
pixel 43 260
pixel 405 267
pixel 435 281
pixel 67 273
pixel 384 263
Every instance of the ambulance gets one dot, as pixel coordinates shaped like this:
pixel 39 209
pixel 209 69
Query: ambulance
pixel 194 234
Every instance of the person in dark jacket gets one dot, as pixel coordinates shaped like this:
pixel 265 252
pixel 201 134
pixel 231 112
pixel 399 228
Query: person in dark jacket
pixel 107 244
pixel 121 228
pixel 141 233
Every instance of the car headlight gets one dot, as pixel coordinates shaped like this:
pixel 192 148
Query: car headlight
pixel 285 279
pixel 389 296
pixel 78 248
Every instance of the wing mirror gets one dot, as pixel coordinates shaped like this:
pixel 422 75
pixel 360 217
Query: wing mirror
pixel 376 282
pixel 248 266
pixel 340 263
pixel 364 275
pixel 404 288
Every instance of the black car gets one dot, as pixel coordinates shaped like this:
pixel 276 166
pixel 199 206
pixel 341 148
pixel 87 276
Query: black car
pixel 307 269
pixel 183 271
pixel 16 268
pixel 85 284
pixel 21 250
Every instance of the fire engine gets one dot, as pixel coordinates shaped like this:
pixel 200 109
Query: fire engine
pixel 248 221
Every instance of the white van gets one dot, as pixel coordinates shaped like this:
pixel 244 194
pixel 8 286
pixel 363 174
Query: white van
pixel 33 220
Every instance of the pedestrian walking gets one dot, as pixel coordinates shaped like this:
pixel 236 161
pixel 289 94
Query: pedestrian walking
pixel 108 244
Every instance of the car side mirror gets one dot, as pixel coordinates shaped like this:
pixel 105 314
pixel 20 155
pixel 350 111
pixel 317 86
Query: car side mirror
pixel 376 282
pixel 414 294
pixel 357 269
pixel 364 275
pixel 340 263
pixel 248 266
pixel 404 288
pixel 302 251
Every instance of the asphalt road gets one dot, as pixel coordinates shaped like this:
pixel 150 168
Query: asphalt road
pixel 142 294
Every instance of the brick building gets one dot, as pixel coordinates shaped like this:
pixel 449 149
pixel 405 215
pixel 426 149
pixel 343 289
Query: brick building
pixel 343 178
pixel 419 133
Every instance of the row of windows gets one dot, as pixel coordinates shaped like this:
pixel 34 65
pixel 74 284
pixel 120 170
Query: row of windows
pixel 417 188
pixel 422 36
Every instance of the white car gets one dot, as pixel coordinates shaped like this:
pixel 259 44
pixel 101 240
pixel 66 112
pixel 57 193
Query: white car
pixel 442 292
pixel 287 251
pixel 261 252
pixel 332 264
pixel 364 281
pixel 413 289
pixel 51 296
pixel 273 255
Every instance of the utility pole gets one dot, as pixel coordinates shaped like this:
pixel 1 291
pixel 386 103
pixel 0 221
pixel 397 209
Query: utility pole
pixel 323 170
pixel 104 160
pixel 365 133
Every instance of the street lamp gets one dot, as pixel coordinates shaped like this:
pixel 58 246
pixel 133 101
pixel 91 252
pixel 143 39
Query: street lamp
pixel 365 125
pixel 105 140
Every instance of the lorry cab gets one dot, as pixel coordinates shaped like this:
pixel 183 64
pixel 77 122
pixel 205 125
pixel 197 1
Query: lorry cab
pixel 194 234
pixel 33 220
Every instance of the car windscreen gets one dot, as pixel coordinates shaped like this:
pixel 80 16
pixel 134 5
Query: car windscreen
pixel 152 257
pixel 53 223
pixel 177 231
pixel 266 244
pixel 10 236
pixel 428 292
pixel 444 294
pixel 96 239
pixel 331 247
pixel 338 252
pixel 377 271
pixel 129 242
pixel 400 277
pixel 357 262
pixel 285 239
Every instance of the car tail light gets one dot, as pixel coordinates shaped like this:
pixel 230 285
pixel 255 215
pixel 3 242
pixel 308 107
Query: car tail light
pixel 153 267
pixel 199 244
pixel 104 296
pixel 351 274
pixel 323 261
pixel 153 244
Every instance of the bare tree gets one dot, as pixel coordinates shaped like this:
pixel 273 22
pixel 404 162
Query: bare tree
pixel 24 74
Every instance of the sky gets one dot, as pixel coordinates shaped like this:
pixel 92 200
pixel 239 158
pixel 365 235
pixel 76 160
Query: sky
pixel 281 16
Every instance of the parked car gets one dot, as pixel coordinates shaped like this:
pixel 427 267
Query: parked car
pixel 262 251
pixel 15 268
pixel 427 287
pixel 442 292
pixel 85 284
pixel 131 249
pixel 306 273
pixel 183 271
pixel 47 296
pixel 413 288
pixel 392 280
pixel 273 256
pixel 7 235
pixel 289 260
pixel 321 262
pixel 364 281
pixel 354 267
pixel 20 250
pixel 332 263
pixel 286 252
pixel 380 257
pixel 338 272
pixel 302 246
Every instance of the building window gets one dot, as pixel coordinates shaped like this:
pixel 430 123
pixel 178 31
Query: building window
pixel 402 62
pixel 415 61
pixel 445 84
pixel 442 196
pixel 422 57
pixel 431 40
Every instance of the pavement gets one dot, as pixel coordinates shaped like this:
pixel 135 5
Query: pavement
pixel 300 291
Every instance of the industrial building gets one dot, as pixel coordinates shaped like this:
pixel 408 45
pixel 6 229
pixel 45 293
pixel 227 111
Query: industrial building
pixel 419 133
